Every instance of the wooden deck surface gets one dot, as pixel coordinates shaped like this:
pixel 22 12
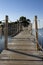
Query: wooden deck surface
pixel 22 51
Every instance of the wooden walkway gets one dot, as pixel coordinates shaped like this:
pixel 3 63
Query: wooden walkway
pixel 22 51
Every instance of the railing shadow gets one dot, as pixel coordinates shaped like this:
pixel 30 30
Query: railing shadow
pixel 22 53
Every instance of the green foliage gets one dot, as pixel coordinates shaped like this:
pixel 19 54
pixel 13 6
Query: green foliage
pixel 22 18
pixel 0 22
pixel 25 22
pixel 28 19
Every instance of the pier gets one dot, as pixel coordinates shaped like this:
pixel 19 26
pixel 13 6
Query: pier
pixel 23 49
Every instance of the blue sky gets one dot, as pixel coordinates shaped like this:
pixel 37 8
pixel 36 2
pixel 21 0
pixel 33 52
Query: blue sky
pixel 16 8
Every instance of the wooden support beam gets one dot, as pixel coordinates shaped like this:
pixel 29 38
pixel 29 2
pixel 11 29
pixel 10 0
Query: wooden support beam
pixel 31 28
pixel 6 31
pixel 36 28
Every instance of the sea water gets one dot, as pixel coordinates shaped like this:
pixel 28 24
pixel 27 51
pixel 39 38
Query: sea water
pixel 40 37
pixel 2 42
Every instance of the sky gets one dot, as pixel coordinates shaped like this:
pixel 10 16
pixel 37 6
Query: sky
pixel 16 8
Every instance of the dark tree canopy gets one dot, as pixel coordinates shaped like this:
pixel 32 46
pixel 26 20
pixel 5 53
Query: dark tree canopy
pixel 24 21
pixel 0 22
pixel 28 20
pixel 22 18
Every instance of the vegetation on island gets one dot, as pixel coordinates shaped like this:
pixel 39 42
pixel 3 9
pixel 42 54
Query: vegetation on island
pixel 16 26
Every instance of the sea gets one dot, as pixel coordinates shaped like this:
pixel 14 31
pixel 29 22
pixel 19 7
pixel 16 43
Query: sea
pixel 40 37
pixel 2 40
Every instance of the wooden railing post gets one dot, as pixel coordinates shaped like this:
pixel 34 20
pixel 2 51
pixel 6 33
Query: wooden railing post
pixel 0 31
pixel 31 28
pixel 6 31
pixel 36 28
pixel 18 26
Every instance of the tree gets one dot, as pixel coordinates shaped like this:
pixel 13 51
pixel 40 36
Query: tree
pixel 28 19
pixel 0 22
pixel 22 18
pixel 25 22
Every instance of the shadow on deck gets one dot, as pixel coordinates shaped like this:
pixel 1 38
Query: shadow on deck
pixel 18 52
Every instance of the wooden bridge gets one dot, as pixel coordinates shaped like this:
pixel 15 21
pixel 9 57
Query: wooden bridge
pixel 22 50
